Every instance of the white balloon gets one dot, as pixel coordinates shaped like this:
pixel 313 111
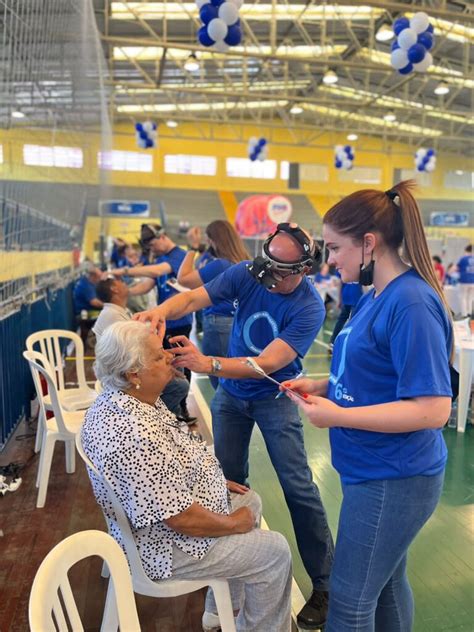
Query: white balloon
pixel 264 152
pixel 423 65
pixel 217 29
pixel 261 157
pixel 253 140
pixel 347 164
pixel 407 38
pixel 201 3
pixel 420 22
pixel 399 58
pixel 141 143
pixel 148 127
pixel 221 47
pixel 238 3
pixel 338 149
pixel 229 13
pixel 429 167
pixel 421 153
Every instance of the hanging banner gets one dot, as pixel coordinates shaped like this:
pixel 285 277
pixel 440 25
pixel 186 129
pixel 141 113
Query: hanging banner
pixel 449 219
pixel 125 208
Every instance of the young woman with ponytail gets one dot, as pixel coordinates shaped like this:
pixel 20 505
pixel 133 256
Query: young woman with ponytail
pixel 386 401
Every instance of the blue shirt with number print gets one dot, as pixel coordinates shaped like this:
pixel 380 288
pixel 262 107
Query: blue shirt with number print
pixel 395 346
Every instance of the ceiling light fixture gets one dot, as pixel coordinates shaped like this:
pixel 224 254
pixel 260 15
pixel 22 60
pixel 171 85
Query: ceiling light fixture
pixel 352 137
pixel 384 34
pixel 390 116
pixel 296 109
pixel 442 88
pixel 192 64
pixel 18 114
pixel 172 123
pixel 330 77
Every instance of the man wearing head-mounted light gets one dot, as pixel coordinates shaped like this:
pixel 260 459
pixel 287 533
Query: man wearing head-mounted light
pixel 278 317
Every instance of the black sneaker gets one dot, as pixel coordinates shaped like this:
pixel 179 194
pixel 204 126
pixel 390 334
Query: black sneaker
pixel 314 612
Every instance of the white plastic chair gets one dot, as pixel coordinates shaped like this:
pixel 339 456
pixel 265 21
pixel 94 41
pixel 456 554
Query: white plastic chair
pixel 62 427
pixel 48 612
pixel 142 584
pixel 48 342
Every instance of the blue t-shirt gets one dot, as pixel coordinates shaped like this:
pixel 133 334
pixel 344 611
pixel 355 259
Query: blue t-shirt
pixel 320 278
pixel 395 346
pixel 175 258
pixel 262 316
pixel 466 269
pixel 210 271
pixel 351 293
pixel 83 293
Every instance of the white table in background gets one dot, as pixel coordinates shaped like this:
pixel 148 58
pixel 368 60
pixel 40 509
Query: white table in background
pixel 464 363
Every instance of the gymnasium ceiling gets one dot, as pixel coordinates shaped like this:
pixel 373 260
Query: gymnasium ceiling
pixel 277 71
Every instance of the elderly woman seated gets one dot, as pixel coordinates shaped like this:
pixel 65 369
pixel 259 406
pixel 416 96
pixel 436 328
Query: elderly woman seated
pixel 187 520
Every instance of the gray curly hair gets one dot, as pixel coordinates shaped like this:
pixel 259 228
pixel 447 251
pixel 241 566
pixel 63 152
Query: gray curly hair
pixel 122 349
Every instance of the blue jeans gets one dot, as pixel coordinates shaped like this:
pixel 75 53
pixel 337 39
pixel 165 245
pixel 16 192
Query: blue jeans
pixel 369 589
pixel 279 422
pixel 215 342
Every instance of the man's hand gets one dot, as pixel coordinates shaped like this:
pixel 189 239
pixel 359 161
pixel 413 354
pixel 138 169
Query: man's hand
pixel 188 356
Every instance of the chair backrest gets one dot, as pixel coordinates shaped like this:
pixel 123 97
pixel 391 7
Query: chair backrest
pixel 49 343
pixel 40 365
pixel 52 605
pixel 141 581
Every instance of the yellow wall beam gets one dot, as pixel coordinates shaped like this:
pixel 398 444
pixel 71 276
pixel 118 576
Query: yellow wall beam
pixel 17 265
pixel 229 203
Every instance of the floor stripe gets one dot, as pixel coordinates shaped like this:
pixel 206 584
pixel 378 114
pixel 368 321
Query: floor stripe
pixel 297 599
pixel 323 344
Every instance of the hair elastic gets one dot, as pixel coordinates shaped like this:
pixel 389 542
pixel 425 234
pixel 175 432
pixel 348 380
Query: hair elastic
pixel 394 196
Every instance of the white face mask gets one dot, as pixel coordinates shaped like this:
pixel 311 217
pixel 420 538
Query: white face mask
pixel 454 275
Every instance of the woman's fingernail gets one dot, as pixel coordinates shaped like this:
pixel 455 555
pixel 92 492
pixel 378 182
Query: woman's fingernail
pixel 305 395
pixel 286 384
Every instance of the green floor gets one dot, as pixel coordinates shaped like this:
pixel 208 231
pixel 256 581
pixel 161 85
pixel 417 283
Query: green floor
pixel 441 562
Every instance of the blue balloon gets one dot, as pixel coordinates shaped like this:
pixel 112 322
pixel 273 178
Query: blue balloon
pixel 208 12
pixel 203 37
pixel 430 29
pixel 138 127
pixel 338 164
pixel 234 35
pixel 416 53
pixel 426 39
pixel 430 152
pixel 395 45
pixel 406 70
pixel 262 142
pixel 143 135
pixel 348 149
pixel 253 157
pixel 148 143
pixel 426 158
pixel 421 167
pixel 217 3
pixel 350 156
pixel 400 25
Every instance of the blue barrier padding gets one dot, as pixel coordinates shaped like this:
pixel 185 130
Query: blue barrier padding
pixel 54 311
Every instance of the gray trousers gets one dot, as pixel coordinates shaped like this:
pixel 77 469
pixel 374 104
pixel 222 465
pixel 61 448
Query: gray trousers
pixel 258 567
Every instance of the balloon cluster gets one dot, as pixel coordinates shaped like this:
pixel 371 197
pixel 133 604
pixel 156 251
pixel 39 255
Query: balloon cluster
pixel 221 24
pixel 414 40
pixel 343 156
pixel 425 159
pixel 146 134
pixel 258 149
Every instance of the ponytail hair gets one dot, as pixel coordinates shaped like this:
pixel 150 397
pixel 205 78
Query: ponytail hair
pixel 396 216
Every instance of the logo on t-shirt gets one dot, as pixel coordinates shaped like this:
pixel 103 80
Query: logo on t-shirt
pixel 248 326
pixel 340 391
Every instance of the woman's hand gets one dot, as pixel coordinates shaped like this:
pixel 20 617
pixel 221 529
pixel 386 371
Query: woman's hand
pixel 237 488
pixel 188 356
pixel 306 385
pixel 244 520
pixel 156 318
pixel 320 411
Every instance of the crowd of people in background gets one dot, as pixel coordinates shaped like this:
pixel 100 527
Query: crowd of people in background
pixel 208 280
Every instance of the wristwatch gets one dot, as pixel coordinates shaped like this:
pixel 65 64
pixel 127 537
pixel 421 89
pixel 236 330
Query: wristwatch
pixel 216 366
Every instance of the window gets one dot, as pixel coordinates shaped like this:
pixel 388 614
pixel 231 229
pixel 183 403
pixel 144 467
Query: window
pixel 125 161
pixel 459 179
pixel 1 154
pixel 191 165
pixel 362 175
pixel 245 168
pixel 284 170
pixel 55 156
pixel 309 172
pixel 423 178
